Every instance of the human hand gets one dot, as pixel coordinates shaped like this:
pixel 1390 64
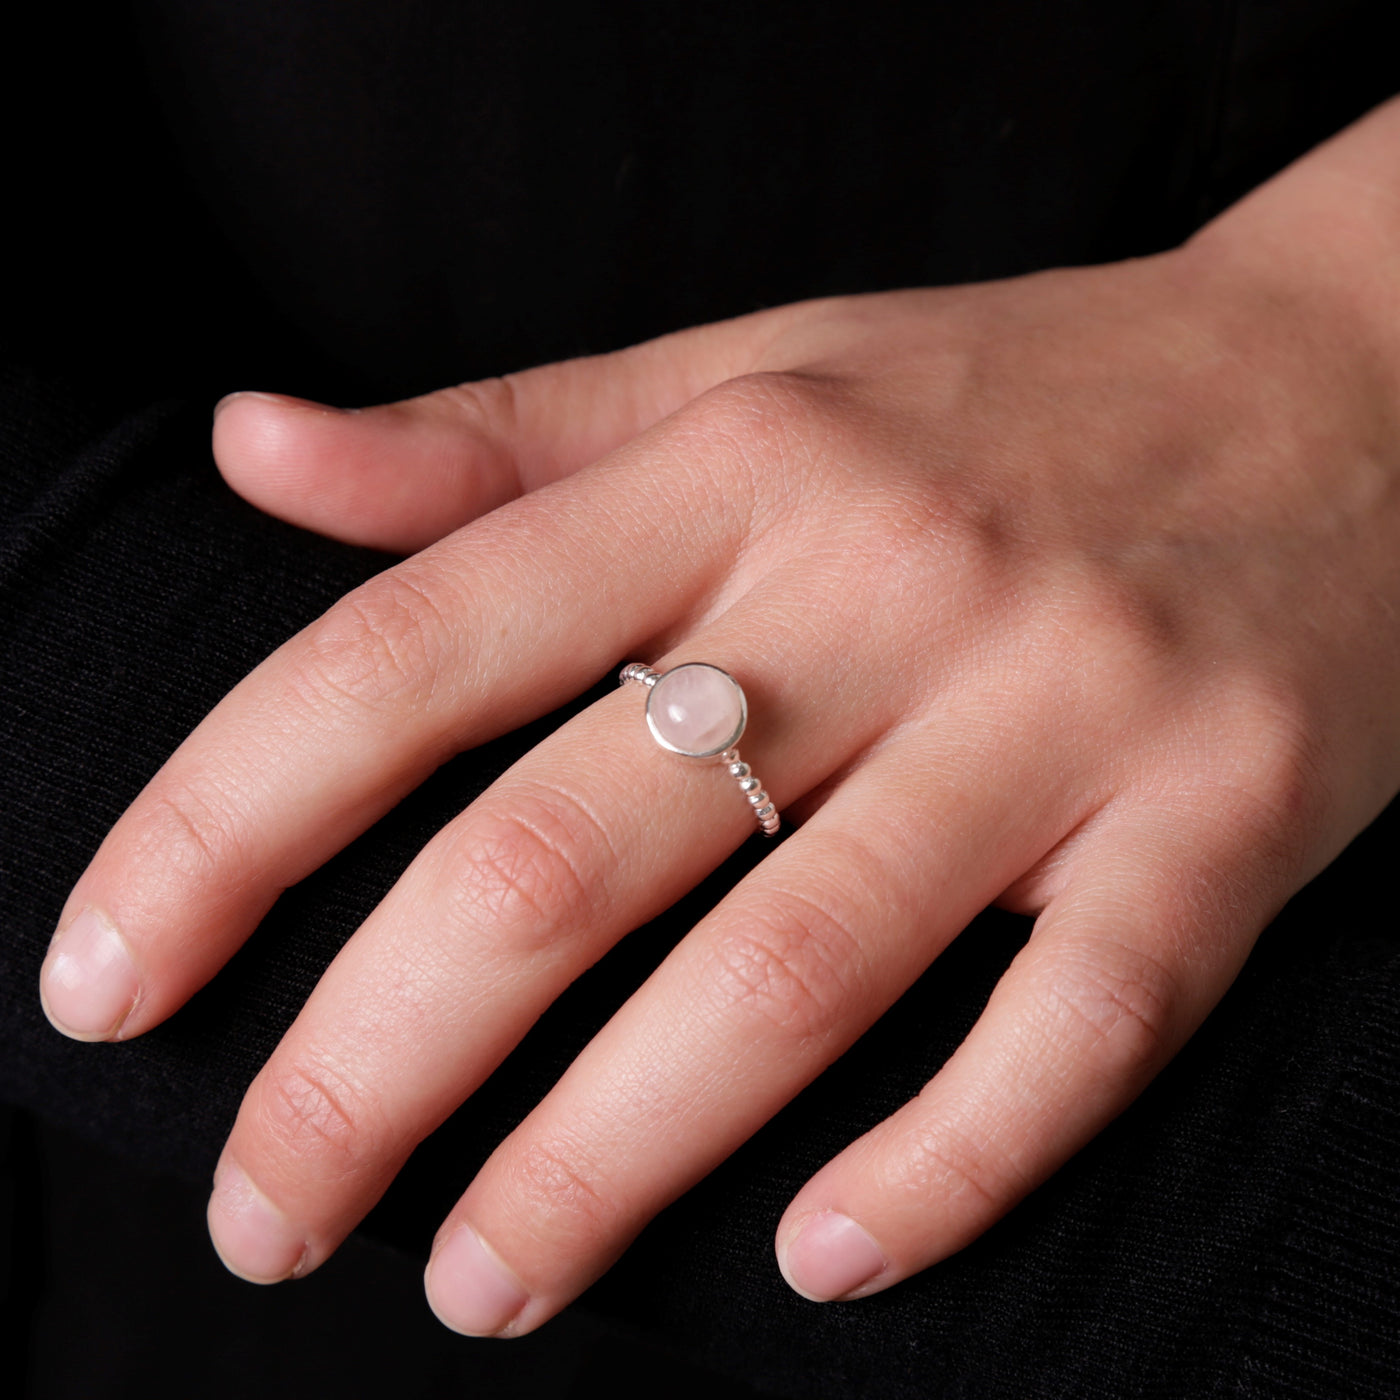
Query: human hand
pixel 1075 593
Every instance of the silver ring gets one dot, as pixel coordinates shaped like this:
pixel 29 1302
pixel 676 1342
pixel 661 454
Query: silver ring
pixel 699 711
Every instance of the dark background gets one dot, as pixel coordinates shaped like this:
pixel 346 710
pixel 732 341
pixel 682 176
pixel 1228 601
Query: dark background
pixel 355 201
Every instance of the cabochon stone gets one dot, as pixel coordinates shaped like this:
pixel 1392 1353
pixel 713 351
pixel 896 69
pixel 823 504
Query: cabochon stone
pixel 696 709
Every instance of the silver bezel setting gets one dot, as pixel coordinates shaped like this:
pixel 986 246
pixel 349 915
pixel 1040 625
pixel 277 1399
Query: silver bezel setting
pixel 763 807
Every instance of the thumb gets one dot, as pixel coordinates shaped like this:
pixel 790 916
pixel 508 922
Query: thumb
pixel 401 475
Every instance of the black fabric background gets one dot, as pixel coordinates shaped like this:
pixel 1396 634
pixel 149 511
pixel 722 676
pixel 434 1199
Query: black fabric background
pixel 356 201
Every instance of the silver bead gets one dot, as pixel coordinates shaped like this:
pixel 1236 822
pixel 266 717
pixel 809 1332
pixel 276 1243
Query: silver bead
pixel 739 770
pixel 762 813
pixel 749 784
pixel 758 798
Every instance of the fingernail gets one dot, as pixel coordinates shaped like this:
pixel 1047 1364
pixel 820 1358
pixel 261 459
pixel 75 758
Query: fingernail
pixel 252 1237
pixel 469 1289
pixel 227 399
pixel 830 1257
pixel 89 982
pixel 281 400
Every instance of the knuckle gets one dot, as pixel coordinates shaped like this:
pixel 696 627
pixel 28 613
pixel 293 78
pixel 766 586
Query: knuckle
pixel 1251 765
pixel 488 412
pixel 764 399
pixel 1118 649
pixel 309 1109
pixel 744 427
pixel 489 405
pixel 382 644
pixel 528 870
pixel 1279 767
pixel 794 966
pixel 1114 1005
pixel 943 1164
pixel 553 1182
pixel 1102 631
pixel 194 833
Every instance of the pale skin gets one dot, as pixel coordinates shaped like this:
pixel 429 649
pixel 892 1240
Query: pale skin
pixel 1079 593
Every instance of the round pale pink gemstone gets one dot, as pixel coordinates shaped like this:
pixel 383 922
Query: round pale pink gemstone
pixel 696 709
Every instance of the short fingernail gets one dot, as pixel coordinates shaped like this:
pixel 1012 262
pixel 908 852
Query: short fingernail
pixel 89 982
pixel 469 1289
pixel 282 400
pixel 252 1237
pixel 830 1257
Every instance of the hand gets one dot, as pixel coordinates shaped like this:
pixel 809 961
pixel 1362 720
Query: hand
pixel 1075 592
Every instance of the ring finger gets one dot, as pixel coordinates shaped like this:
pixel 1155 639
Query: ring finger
pixel 588 836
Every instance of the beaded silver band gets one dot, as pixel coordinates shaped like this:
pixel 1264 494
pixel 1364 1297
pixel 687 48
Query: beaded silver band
pixel 731 726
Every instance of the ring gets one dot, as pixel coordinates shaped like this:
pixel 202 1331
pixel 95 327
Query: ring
pixel 698 710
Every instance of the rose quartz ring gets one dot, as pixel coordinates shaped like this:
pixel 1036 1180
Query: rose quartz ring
pixel 699 710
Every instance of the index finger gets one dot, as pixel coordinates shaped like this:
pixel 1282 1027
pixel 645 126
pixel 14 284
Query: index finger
pixel 496 625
